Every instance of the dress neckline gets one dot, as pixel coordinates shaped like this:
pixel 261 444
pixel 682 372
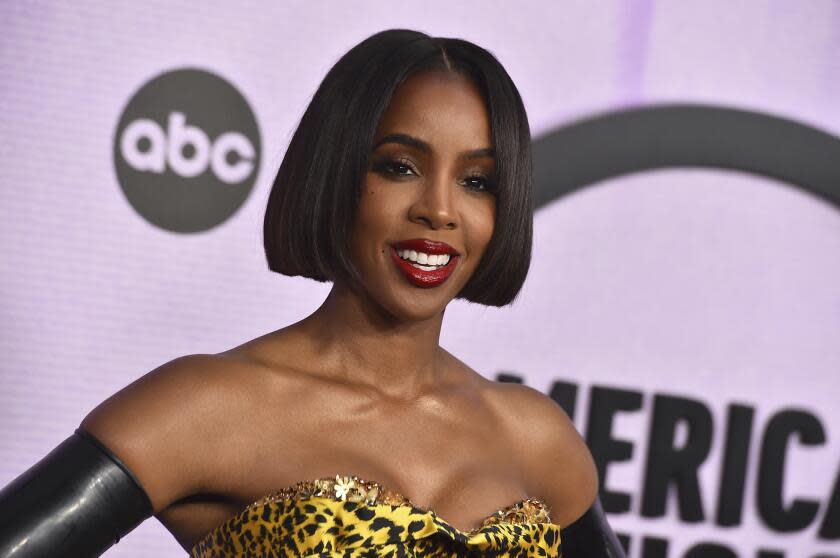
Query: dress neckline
pixel 352 488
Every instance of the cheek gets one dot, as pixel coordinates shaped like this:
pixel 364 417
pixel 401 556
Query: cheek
pixel 375 207
pixel 484 224
pixel 375 217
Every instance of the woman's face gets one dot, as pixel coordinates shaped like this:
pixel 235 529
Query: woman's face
pixel 428 190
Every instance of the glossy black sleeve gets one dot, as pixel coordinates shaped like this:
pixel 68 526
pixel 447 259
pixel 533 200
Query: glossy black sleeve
pixel 590 536
pixel 76 502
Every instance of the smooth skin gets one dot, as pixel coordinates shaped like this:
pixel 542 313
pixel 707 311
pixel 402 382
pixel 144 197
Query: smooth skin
pixel 362 385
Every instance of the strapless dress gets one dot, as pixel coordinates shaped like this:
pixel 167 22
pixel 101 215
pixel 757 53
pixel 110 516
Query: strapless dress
pixel 350 517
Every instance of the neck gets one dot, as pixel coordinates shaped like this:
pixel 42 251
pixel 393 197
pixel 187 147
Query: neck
pixel 361 343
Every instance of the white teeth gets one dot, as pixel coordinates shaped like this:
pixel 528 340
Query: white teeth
pixel 424 261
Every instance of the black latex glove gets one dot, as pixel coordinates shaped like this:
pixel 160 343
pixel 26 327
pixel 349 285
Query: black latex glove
pixel 76 502
pixel 590 536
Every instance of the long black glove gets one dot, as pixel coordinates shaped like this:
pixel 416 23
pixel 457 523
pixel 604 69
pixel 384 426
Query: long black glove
pixel 590 536
pixel 76 502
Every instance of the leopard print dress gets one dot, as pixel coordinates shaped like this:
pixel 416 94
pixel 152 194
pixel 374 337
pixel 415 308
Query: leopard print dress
pixel 349 517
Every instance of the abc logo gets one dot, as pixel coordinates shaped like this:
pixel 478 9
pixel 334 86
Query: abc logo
pixel 169 148
pixel 187 150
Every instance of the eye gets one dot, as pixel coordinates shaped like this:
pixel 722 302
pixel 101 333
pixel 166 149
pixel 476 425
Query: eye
pixel 478 183
pixel 397 167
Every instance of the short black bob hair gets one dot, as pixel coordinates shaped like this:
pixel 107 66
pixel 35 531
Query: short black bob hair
pixel 313 200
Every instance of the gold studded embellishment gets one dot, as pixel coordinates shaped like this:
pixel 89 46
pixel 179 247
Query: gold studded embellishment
pixel 529 510
pixel 345 488
pixel 350 488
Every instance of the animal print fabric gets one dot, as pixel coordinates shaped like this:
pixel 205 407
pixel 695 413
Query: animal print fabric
pixel 349 517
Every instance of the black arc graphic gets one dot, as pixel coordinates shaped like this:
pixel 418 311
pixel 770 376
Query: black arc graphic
pixel 619 143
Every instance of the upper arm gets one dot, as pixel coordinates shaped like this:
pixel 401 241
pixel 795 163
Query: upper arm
pixel 161 426
pixel 557 463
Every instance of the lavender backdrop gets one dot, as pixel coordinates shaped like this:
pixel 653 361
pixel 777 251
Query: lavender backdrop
pixel 717 286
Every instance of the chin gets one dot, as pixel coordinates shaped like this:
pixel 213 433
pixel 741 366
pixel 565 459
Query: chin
pixel 404 310
pixel 403 302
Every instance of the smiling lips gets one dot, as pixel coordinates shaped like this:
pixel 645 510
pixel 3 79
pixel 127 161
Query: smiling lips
pixel 436 261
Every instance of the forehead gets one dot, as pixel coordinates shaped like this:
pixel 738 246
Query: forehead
pixel 439 107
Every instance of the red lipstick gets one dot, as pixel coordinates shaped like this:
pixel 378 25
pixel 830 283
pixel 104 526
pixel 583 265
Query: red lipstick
pixel 420 277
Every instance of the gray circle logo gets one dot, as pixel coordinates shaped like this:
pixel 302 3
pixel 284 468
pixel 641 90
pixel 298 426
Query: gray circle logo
pixel 187 150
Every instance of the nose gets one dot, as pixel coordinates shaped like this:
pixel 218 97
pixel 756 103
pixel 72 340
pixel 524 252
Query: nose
pixel 435 206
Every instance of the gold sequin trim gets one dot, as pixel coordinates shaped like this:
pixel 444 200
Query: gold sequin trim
pixel 529 510
pixel 351 488
pixel 345 488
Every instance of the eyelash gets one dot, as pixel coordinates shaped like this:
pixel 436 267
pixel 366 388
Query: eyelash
pixel 387 167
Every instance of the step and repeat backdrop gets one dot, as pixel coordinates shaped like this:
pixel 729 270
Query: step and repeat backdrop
pixel 683 304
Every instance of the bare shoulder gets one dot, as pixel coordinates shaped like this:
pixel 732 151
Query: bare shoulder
pixel 557 465
pixel 164 424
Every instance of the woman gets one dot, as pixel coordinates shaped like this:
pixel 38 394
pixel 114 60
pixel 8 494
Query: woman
pixel 407 184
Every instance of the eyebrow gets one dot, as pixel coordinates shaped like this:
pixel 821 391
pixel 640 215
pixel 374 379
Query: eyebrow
pixel 411 141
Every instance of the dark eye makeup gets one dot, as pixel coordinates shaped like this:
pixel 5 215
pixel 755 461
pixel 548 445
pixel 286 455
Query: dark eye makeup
pixel 403 167
pixel 394 167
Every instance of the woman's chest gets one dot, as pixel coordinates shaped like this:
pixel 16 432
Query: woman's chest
pixel 448 456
